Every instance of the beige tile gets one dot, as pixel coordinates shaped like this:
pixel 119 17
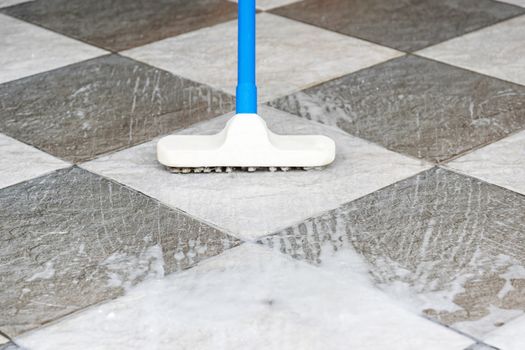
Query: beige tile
pixel 28 49
pixel 501 163
pixel 290 55
pixel 20 162
pixel 498 51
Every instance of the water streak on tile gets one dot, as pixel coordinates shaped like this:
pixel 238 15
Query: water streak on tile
pixel 497 51
pixel 20 162
pixel 72 239
pixel 253 204
pixel 27 49
pixel 122 24
pixel 500 163
pixel 448 245
pixel 288 59
pixel 250 298
pixel 415 106
pixel 101 105
pixel 404 25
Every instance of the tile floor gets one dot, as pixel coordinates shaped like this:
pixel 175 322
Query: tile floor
pixel 412 239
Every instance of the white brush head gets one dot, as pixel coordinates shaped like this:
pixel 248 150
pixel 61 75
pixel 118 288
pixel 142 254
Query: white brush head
pixel 245 142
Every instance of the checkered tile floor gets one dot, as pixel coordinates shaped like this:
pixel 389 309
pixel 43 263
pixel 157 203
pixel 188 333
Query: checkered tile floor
pixel 413 239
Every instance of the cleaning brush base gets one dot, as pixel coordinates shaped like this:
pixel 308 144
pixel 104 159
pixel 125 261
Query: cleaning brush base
pixel 245 142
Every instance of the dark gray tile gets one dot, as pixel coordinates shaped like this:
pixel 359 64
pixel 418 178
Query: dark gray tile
pixel 450 245
pixel 415 106
pixel 405 25
pixel 122 24
pixel 105 104
pixel 72 239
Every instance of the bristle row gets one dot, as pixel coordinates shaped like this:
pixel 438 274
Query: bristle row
pixel 232 169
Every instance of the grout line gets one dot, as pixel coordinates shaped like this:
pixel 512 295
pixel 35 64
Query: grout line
pixel 479 147
pixel 2 12
pixel 466 69
pixel 327 211
pixel 168 206
pixel 453 329
pixel 485 181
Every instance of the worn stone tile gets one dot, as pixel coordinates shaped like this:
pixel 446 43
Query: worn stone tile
pixel 250 205
pixel 497 51
pixel 288 57
pixel 121 24
pixel 415 106
pixel 72 239
pixel 28 49
pixel 102 105
pixel 404 25
pixel 500 163
pixel 20 162
pixel 249 298
pixel 508 337
pixel 447 245
pixel 270 4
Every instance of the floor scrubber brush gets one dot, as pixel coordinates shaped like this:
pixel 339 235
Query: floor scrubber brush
pixel 245 143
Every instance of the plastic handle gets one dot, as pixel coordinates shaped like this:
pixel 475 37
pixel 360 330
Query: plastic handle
pixel 246 92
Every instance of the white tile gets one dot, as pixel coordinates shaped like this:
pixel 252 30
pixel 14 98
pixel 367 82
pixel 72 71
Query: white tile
pixel 5 3
pixel 498 51
pixel 28 49
pixel 509 337
pixel 270 4
pixel 515 2
pixel 290 55
pixel 250 298
pixel 501 163
pixel 250 205
pixel 20 162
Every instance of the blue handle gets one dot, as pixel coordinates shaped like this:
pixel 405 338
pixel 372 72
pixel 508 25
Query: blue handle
pixel 246 94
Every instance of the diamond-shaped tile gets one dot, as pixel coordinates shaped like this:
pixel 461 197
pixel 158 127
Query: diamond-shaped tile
pixel 290 55
pixel 20 162
pixel 253 204
pixel 497 51
pixel 250 298
pixel 448 245
pixel 76 239
pixel 121 24
pixel 500 163
pixel 415 106
pixel 404 25
pixel 102 105
pixel 28 49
